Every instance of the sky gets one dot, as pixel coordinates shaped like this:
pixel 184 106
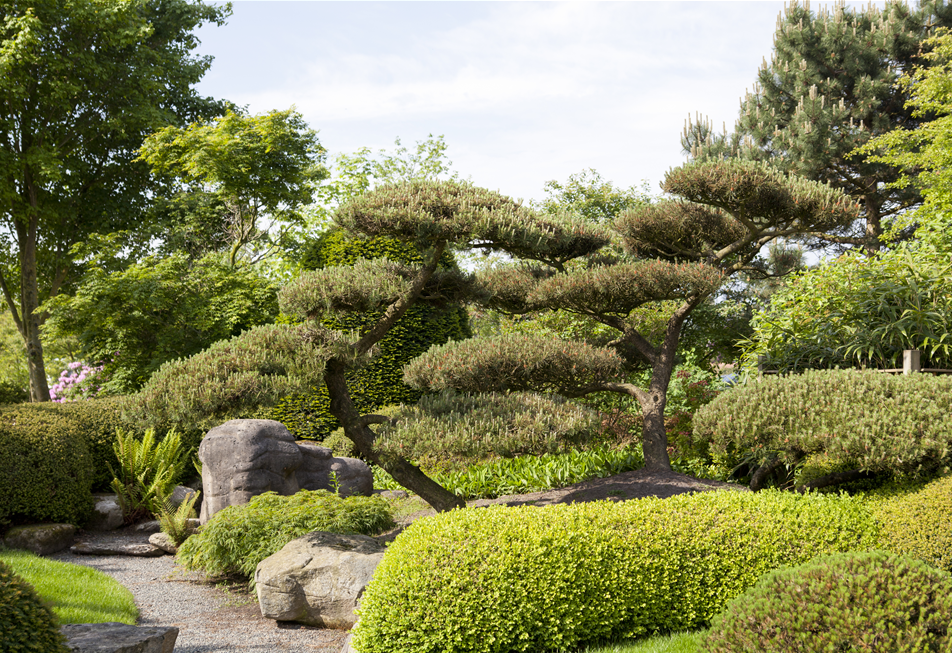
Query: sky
pixel 523 92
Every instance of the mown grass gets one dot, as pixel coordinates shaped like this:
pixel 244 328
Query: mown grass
pixel 77 594
pixel 687 642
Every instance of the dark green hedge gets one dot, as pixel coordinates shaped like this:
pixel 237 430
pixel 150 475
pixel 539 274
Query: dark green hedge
pixel 381 383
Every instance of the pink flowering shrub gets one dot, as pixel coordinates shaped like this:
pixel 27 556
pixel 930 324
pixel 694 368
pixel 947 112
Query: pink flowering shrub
pixel 78 381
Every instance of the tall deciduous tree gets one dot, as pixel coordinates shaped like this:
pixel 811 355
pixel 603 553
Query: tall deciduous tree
pixel 829 87
pixel 81 84
pixel 677 249
pixel 240 171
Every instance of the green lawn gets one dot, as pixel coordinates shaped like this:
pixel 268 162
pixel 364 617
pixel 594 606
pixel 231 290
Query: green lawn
pixel 687 642
pixel 77 594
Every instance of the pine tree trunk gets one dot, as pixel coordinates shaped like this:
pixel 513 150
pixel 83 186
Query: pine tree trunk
pixel 29 301
pixel 403 472
pixel 874 224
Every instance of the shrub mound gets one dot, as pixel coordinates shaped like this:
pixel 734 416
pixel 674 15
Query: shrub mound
pixel 863 420
pixel 530 579
pixel 47 471
pixel 26 625
pixel 237 538
pixel 464 428
pixel 873 601
pixel 920 524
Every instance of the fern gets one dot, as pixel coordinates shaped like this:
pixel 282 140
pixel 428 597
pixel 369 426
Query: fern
pixel 174 521
pixel 147 473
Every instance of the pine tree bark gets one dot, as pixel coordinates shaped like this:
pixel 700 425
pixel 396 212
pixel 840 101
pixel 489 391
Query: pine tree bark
pixel 403 472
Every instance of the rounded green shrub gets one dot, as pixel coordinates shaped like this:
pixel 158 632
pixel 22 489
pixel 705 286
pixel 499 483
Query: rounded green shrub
pixel 237 538
pixel 552 578
pixel 919 524
pixel 47 470
pixel 26 624
pixel 861 420
pixel 97 420
pixel 381 383
pixel 871 601
pixel 13 393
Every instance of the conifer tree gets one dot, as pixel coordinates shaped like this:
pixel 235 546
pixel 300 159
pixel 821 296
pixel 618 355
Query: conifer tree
pixel 829 87
pixel 680 249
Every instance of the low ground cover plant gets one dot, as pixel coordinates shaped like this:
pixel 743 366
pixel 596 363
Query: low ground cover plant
pixel 919 523
pixel 75 594
pixel 872 601
pixel 525 474
pixel 522 579
pixel 858 421
pixel 237 538
pixel 26 623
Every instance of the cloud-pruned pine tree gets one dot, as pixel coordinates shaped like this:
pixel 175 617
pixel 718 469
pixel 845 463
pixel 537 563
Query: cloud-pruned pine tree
pixel 830 87
pixel 680 249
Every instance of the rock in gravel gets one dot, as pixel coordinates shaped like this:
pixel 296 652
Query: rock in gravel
pixel 119 638
pixel 41 539
pixel 107 515
pixel 145 550
pixel 164 542
pixel 317 579
pixel 152 526
pixel 243 458
pixel 346 647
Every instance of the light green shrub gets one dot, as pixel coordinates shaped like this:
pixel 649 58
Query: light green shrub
pixel 871 601
pixel 855 419
pixel 464 428
pixel 531 579
pixel 237 538
pixel 919 524
pixel 26 624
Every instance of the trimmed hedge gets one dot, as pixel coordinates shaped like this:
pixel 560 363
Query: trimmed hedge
pixel 26 624
pixel 381 383
pixel 873 601
pixel 528 579
pixel 46 468
pixel 862 420
pixel 920 523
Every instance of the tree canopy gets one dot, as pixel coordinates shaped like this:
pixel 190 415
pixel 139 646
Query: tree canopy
pixel 81 84
pixel 829 88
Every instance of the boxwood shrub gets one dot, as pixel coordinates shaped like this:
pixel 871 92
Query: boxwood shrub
pixel 531 579
pixel 46 468
pixel 920 523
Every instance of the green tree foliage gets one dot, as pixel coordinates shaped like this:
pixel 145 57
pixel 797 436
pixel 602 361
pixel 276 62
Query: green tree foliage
pixel 859 311
pixel 380 383
pixel 858 422
pixel 159 309
pixel 81 84
pixel 828 89
pixel 923 155
pixel 241 170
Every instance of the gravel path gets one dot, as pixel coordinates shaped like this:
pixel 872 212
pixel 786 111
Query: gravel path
pixel 210 619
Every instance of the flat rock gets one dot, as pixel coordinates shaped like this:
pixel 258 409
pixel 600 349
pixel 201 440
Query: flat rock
pixel 41 539
pixel 347 648
pixel 152 526
pixel 144 550
pixel 119 638
pixel 317 579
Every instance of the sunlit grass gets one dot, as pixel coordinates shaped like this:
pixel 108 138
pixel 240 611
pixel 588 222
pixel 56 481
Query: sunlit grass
pixel 686 642
pixel 77 594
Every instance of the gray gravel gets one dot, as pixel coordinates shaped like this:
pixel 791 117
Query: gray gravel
pixel 210 619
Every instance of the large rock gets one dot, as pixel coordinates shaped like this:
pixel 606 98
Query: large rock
pixel 243 458
pixel 317 579
pixel 107 515
pixel 119 638
pixel 41 539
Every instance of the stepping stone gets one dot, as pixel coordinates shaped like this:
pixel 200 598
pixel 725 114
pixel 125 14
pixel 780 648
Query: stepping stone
pixel 141 550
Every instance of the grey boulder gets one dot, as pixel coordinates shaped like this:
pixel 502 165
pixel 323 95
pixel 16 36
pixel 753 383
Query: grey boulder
pixel 41 539
pixel 114 637
pixel 107 515
pixel 317 579
pixel 243 458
